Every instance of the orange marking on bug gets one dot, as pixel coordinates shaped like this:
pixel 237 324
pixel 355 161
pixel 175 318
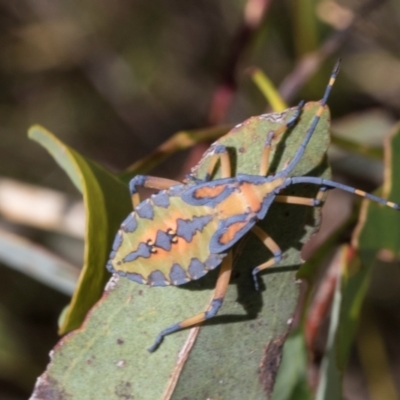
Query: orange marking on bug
pixel 232 205
pixel 252 195
pixel 135 200
pixel 231 232
pixel 209 191
pixel 181 246
pixel 360 192
pixel 320 111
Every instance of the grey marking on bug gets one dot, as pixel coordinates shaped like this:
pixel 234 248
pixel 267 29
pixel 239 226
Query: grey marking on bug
pixel 142 251
pixel 216 246
pixel 136 278
pixel 178 275
pixel 187 228
pixel 160 199
pixel 176 190
pixel 196 268
pixel 157 278
pixel 117 241
pixel 145 210
pixel 213 261
pixel 110 267
pixel 163 240
pixel 190 196
pixel 138 180
pixel 130 223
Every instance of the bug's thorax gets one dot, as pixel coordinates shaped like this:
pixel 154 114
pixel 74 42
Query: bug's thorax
pixel 249 195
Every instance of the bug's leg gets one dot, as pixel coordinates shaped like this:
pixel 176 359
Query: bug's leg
pixel 274 134
pixel 150 182
pixel 220 153
pixel 212 310
pixel 305 201
pixel 272 246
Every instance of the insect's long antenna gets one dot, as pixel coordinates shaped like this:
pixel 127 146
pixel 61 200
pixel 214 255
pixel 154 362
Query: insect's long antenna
pixel 330 184
pixel 299 153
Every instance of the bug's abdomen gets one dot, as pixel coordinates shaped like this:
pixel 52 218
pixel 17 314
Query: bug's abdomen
pixel 165 242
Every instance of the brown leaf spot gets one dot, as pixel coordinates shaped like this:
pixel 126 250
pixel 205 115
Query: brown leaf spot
pixel 47 388
pixel 270 362
pixel 123 390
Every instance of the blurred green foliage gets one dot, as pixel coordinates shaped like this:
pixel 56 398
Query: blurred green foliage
pixel 116 79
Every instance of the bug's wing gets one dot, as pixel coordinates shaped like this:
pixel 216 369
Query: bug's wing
pixel 165 262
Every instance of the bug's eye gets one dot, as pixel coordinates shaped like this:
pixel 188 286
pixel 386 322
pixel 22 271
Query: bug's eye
pixel 150 243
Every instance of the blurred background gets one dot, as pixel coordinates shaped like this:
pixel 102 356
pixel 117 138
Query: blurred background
pixel 116 79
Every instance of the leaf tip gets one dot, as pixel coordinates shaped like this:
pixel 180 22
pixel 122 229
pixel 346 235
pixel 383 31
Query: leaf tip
pixel 35 130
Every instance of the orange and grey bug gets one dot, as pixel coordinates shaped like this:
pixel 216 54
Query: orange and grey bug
pixel 184 231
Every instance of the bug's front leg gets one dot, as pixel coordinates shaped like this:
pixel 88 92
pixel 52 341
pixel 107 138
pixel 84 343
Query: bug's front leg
pixel 216 303
pixel 150 182
pixel 272 246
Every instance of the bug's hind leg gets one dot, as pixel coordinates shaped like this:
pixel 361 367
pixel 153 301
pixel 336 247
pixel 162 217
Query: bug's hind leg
pixel 264 164
pixel 272 246
pixel 150 182
pixel 305 201
pixel 212 310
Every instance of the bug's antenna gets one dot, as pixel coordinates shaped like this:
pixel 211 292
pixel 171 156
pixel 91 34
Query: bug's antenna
pixel 331 185
pixel 299 153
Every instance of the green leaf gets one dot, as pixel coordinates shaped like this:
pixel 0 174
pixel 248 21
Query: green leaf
pixel 375 358
pixel 378 232
pixel 305 27
pixel 268 89
pixel 291 382
pixel 225 357
pixel 330 375
pixel 106 203
pixel 37 262
pixel 355 147
pixel 354 285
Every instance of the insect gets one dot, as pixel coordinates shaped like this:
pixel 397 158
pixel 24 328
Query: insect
pixel 186 230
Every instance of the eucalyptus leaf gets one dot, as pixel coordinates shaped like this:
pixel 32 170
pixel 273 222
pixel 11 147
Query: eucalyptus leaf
pixel 106 201
pixel 226 357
